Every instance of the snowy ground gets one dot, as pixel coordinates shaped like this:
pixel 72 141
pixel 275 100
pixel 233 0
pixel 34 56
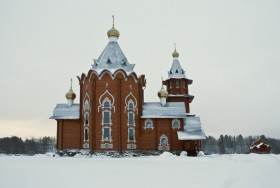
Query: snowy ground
pixel 146 172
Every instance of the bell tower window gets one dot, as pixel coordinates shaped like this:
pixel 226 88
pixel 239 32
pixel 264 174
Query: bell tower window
pixel 177 84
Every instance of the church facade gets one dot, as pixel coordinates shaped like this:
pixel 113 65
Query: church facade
pixel 112 115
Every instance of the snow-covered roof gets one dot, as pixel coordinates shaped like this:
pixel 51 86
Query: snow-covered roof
pixel 176 70
pixel 112 58
pixel 170 110
pixel 180 95
pixel 192 130
pixel 64 111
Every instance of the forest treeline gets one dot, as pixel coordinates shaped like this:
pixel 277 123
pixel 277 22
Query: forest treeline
pixel 16 145
pixel 227 144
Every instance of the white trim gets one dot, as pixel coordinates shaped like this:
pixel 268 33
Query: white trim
pixel 152 124
pixel 86 128
pixel 110 120
pixel 101 101
pixel 86 113
pixel 134 139
pixel 106 146
pixel 110 134
pixel 133 115
pixel 175 120
pixel 119 71
pixel 130 100
pixel 163 147
pixel 103 73
pixel 88 101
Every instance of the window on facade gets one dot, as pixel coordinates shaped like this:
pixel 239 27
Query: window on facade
pixel 163 140
pixel 86 134
pixel 170 86
pixel 131 134
pixel 106 104
pixel 106 133
pixel 86 119
pixel 177 84
pixel 130 118
pixel 176 123
pixel 106 117
pixel 130 106
pixel 149 123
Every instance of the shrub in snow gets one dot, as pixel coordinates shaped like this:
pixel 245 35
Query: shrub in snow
pixel 167 156
pixel 200 154
pixel 183 154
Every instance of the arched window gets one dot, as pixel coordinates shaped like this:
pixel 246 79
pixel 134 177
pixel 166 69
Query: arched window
pixel 106 103
pixel 177 71
pixel 149 124
pixel 163 140
pixel 175 124
pixel 106 120
pixel 131 106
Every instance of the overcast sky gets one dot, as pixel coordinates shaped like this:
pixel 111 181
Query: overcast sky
pixel 230 49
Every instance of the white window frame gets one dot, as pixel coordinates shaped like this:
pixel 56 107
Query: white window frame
pixel 133 116
pixel 106 100
pixel 110 118
pixel 86 128
pixel 175 120
pixel 86 117
pixel 161 137
pixel 152 124
pixel 110 134
pixel 131 128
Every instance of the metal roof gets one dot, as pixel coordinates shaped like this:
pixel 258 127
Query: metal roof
pixel 170 110
pixel 112 58
pixel 64 111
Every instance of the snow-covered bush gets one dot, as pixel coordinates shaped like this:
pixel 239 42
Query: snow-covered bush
pixel 167 156
pixel 183 154
pixel 200 154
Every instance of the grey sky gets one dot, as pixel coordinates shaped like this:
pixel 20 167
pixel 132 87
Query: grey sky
pixel 229 48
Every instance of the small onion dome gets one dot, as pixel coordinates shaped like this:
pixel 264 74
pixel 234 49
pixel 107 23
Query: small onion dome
pixel 70 94
pixel 113 32
pixel 175 53
pixel 162 93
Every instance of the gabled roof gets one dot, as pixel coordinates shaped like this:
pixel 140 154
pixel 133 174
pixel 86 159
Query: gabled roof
pixel 176 70
pixel 112 58
pixel 170 110
pixel 64 111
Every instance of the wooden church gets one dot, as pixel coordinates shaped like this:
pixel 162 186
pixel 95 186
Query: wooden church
pixel 112 114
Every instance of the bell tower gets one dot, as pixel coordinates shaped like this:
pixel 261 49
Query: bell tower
pixel 177 83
